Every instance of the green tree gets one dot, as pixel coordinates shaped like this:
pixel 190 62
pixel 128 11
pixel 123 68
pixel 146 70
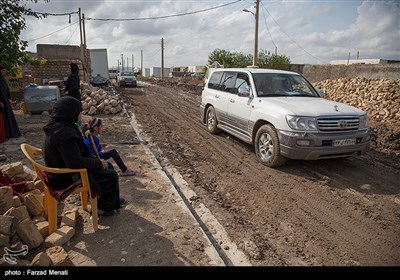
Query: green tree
pixel 236 59
pixel 12 15
pixel 222 57
pixel 273 61
pixel 241 60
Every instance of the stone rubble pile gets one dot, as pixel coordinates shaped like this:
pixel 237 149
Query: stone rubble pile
pixel 99 101
pixel 23 222
pixel 380 98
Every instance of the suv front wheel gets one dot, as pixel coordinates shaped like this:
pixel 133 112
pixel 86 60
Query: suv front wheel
pixel 267 147
pixel 211 120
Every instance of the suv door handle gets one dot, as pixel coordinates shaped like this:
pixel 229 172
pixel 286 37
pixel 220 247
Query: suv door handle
pixel 232 100
pixel 216 96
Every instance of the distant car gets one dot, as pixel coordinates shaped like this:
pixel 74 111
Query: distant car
pixel 98 81
pixel 189 74
pixel 112 74
pixel 198 75
pixel 127 78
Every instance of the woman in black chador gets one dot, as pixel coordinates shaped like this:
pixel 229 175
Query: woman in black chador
pixel 63 147
pixel 72 87
pixel 10 124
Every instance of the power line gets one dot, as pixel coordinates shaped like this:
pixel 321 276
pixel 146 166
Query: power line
pixel 292 39
pixel 53 32
pixel 266 26
pixel 52 14
pixel 161 17
pixel 71 34
pixel 211 22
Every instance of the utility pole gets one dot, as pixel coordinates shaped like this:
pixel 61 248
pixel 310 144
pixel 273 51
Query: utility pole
pixel 162 58
pixel 86 70
pixel 141 63
pixel 255 54
pixel 133 70
pixel 81 46
pixel 80 25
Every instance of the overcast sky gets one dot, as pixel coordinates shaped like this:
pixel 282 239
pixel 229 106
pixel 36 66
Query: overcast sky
pixel 308 32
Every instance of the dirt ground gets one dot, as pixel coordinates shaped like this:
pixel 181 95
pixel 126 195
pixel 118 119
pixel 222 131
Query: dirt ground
pixel 341 212
pixel 152 229
pixel 331 212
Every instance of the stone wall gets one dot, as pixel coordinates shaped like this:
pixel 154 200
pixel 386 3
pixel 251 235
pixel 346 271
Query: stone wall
pixel 58 51
pixel 316 73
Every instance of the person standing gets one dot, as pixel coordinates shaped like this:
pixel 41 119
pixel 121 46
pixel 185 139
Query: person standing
pixel 72 87
pixel 2 128
pixel 11 129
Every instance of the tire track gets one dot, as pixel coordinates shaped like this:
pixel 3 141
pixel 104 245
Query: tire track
pixel 259 201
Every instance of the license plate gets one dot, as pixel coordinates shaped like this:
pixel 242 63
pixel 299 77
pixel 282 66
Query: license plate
pixel 344 142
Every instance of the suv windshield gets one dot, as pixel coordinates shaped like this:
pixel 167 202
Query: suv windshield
pixel 273 84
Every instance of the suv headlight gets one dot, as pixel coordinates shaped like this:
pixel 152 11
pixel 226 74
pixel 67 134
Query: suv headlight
pixel 363 122
pixel 302 123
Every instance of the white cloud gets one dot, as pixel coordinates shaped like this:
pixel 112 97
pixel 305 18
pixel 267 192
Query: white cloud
pixel 306 31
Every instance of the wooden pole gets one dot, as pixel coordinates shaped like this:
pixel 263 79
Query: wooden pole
pixel 89 135
pixel 162 58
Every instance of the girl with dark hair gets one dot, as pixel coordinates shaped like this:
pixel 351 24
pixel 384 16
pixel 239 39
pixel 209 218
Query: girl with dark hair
pixel 92 141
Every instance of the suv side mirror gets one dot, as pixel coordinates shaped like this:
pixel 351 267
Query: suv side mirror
pixel 244 91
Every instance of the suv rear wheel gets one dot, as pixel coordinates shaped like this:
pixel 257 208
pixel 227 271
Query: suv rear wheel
pixel 267 147
pixel 211 120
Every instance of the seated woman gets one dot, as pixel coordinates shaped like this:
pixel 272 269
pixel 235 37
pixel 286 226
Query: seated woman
pixel 63 147
pixel 92 141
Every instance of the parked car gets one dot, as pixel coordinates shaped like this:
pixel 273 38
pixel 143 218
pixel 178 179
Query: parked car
pixel 127 78
pixel 112 74
pixel 282 115
pixel 99 81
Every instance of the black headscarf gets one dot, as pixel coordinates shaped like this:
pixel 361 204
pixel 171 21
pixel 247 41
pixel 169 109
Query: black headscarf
pixel 74 68
pixel 65 112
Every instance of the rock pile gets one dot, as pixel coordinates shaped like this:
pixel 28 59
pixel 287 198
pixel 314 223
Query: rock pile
pixel 99 101
pixel 380 98
pixel 23 226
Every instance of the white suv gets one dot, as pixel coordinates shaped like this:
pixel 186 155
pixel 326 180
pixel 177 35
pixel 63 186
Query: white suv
pixel 282 115
pixel 127 78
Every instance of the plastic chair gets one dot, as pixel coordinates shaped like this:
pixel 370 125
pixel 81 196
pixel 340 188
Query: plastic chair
pixel 50 201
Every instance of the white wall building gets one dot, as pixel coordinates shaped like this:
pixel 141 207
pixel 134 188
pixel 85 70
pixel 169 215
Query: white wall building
pixel 196 69
pixel 355 61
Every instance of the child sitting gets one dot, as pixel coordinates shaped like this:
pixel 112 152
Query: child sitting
pixel 95 128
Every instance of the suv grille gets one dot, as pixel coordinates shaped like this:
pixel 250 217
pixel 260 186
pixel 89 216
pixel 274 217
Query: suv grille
pixel 338 123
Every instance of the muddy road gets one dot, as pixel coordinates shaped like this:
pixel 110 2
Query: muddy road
pixel 333 212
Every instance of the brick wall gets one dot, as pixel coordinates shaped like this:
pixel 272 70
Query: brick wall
pixel 54 69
